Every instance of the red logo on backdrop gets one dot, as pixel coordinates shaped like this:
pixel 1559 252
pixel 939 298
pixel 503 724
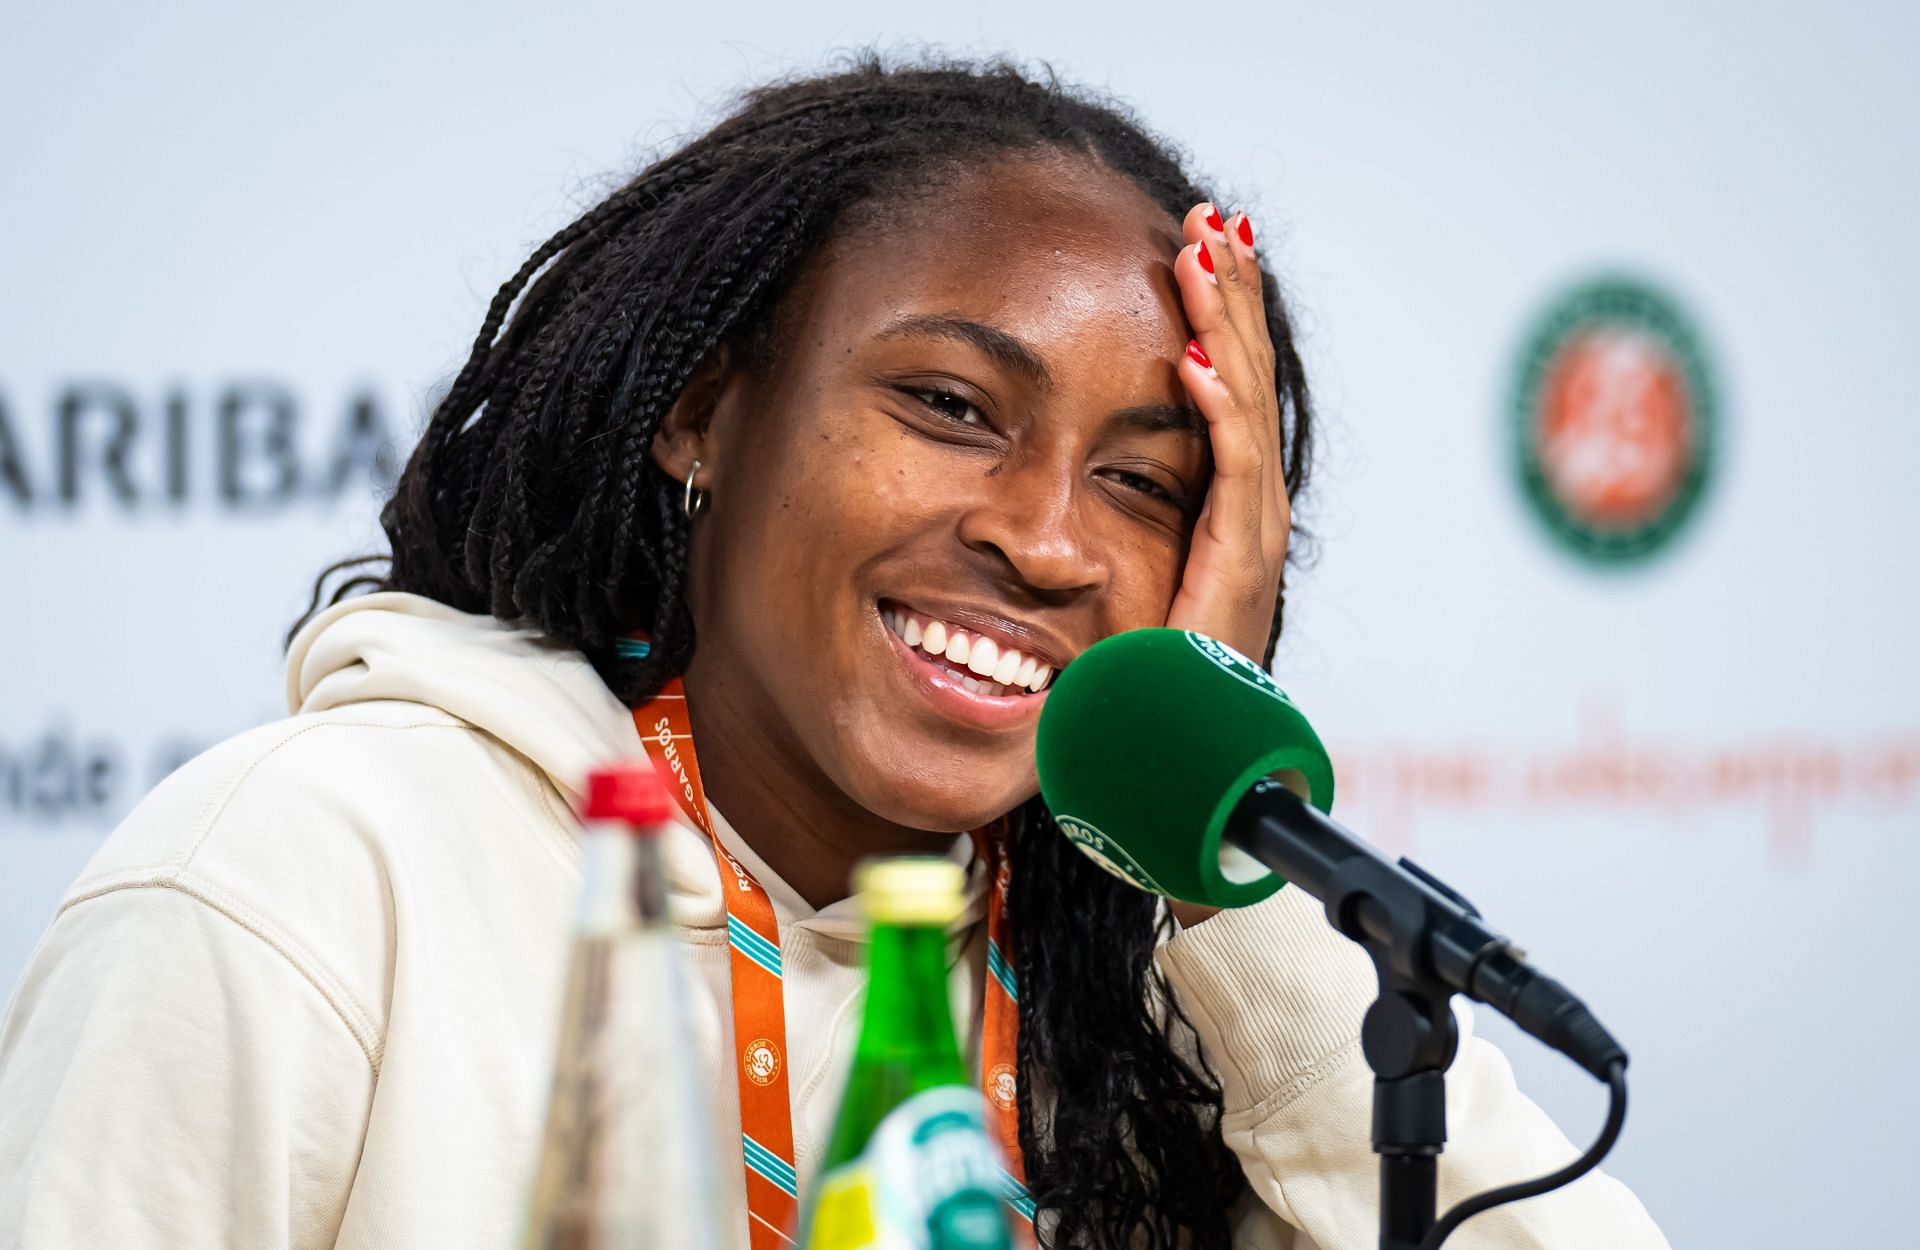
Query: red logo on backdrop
pixel 1613 420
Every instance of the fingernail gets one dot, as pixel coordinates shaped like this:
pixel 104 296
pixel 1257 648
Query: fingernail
pixel 1213 220
pixel 1206 258
pixel 1199 357
pixel 1246 232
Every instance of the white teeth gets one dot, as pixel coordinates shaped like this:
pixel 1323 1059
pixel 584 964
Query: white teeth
pixel 978 686
pixel 1000 670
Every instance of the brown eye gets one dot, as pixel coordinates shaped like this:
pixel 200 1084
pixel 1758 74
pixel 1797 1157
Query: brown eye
pixel 1146 486
pixel 1151 488
pixel 947 405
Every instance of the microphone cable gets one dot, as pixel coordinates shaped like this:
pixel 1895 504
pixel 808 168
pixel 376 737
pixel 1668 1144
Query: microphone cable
pixel 1466 1209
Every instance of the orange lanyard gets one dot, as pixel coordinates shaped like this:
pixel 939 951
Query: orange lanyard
pixel 759 1002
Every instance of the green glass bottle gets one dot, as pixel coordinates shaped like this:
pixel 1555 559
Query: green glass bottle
pixel 909 1165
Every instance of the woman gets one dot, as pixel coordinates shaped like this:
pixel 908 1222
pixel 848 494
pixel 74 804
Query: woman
pixel 889 373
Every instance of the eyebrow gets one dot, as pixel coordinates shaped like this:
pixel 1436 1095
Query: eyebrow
pixel 1005 350
pixel 1156 418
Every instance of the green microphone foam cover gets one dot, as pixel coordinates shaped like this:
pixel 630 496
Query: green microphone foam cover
pixel 1146 743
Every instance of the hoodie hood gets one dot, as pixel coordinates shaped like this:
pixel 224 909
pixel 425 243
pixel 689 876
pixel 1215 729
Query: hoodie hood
pixel 543 700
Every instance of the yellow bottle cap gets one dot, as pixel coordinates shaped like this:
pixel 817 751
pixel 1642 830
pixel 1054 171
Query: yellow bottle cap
pixel 911 889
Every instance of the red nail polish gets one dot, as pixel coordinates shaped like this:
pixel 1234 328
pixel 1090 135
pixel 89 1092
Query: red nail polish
pixel 1246 232
pixel 1213 219
pixel 1206 257
pixel 1199 357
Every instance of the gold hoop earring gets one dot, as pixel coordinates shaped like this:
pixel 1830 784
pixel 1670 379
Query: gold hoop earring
pixel 693 499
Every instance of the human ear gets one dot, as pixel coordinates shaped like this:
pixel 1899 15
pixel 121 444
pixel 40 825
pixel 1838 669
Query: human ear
pixel 685 436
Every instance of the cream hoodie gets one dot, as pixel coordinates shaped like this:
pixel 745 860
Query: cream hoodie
pixel 304 995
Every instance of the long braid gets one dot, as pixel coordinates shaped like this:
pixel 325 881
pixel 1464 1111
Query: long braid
pixel 531 496
pixel 1118 1076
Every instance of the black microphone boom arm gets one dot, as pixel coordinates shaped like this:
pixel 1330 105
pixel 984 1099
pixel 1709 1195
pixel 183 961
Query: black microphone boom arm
pixel 1413 924
pixel 1427 943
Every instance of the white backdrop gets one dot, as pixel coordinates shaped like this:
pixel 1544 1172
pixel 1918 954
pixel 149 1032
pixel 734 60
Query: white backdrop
pixel 243 242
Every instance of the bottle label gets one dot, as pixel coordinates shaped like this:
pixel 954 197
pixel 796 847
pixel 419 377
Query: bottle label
pixel 929 1179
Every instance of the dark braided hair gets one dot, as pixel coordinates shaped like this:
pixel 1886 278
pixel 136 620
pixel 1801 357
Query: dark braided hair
pixel 531 497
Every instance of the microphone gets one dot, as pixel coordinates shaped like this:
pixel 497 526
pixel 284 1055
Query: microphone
pixel 1179 766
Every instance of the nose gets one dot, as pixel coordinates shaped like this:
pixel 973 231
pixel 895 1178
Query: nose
pixel 1026 516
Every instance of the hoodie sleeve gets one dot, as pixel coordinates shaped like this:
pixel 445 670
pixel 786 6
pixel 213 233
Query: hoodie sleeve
pixel 170 1079
pixel 1277 998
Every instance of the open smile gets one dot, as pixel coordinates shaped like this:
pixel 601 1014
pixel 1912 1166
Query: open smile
pixel 968 675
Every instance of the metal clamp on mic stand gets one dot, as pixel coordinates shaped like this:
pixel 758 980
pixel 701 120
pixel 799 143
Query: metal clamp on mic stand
pixel 1409 1038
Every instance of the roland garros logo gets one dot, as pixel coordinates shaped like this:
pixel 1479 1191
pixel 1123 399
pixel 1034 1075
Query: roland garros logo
pixel 1235 664
pixel 1003 1086
pixel 1106 852
pixel 1612 420
pixel 761 1061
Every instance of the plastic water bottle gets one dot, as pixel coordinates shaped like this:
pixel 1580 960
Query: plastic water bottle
pixel 627 1160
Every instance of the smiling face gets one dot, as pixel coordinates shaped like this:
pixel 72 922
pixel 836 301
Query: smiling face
pixel 972 426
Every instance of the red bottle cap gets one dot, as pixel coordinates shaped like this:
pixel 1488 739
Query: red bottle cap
pixel 631 792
